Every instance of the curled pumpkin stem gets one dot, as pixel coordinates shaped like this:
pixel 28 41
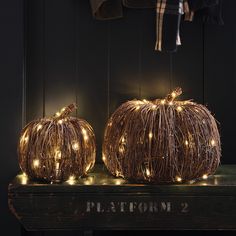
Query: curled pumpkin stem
pixel 66 111
pixel 173 95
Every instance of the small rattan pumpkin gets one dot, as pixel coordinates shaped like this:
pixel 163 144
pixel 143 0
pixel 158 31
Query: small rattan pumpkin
pixel 58 148
pixel 162 141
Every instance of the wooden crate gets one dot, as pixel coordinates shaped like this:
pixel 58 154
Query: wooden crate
pixel 102 202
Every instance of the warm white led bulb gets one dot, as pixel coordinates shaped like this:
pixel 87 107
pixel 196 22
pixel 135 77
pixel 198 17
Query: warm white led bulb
pixel 87 182
pixel 148 173
pixel 26 139
pixel 36 163
pixel 24 180
pixel 213 143
pixel 39 127
pixel 87 168
pixel 205 176
pixel 57 154
pixel 150 135
pixel 118 182
pixel 178 179
pixel 75 146
pixel 121 149
pixel 173 94
pixel 72 177
pixel 60 122
pixel 71 180
pixel 84 131
pixel 179 108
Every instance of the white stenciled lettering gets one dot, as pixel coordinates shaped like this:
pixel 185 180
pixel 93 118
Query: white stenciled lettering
pixel 112 207
pixel 89 207
pixel 153 207
pixel 99 207
pixel 132 206
pixel 185 207
pixel 165 206
pixel 122 206
pixel 142 207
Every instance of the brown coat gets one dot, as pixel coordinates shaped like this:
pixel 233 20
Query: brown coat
pixel 112 9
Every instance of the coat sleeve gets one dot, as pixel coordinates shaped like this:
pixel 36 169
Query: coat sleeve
pixel 195 5
pixel 140 3
pixel 210 10
pixel 213 14
pixel 106 9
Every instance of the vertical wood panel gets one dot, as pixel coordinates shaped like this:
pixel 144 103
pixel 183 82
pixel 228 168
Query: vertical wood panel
pixel 155 65
pixel 220 77
pixel 59 55
pixel 92 65
pixel 11 65
pixel 124 60
pixel 188 61
pixel 79 57
pixel 35 66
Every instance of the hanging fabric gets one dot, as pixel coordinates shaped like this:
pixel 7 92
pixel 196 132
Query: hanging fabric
pixel 209 10
pixel 168 15
pixel 113 9
pixel 167 24
pixel 140 3
pixel 106 9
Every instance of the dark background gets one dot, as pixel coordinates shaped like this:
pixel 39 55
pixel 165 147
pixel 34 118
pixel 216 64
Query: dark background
pixel 52 53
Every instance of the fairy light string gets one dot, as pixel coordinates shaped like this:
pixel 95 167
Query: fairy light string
pixel 165 140
pixel 57 148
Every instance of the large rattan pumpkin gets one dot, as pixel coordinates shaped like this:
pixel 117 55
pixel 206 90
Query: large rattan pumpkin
pixel 58 148
pixel 162 141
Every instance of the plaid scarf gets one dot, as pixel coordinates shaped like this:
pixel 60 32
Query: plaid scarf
pixel 168 16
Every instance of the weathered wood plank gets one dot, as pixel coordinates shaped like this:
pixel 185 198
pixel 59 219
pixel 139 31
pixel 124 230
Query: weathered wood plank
pixel 101 201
